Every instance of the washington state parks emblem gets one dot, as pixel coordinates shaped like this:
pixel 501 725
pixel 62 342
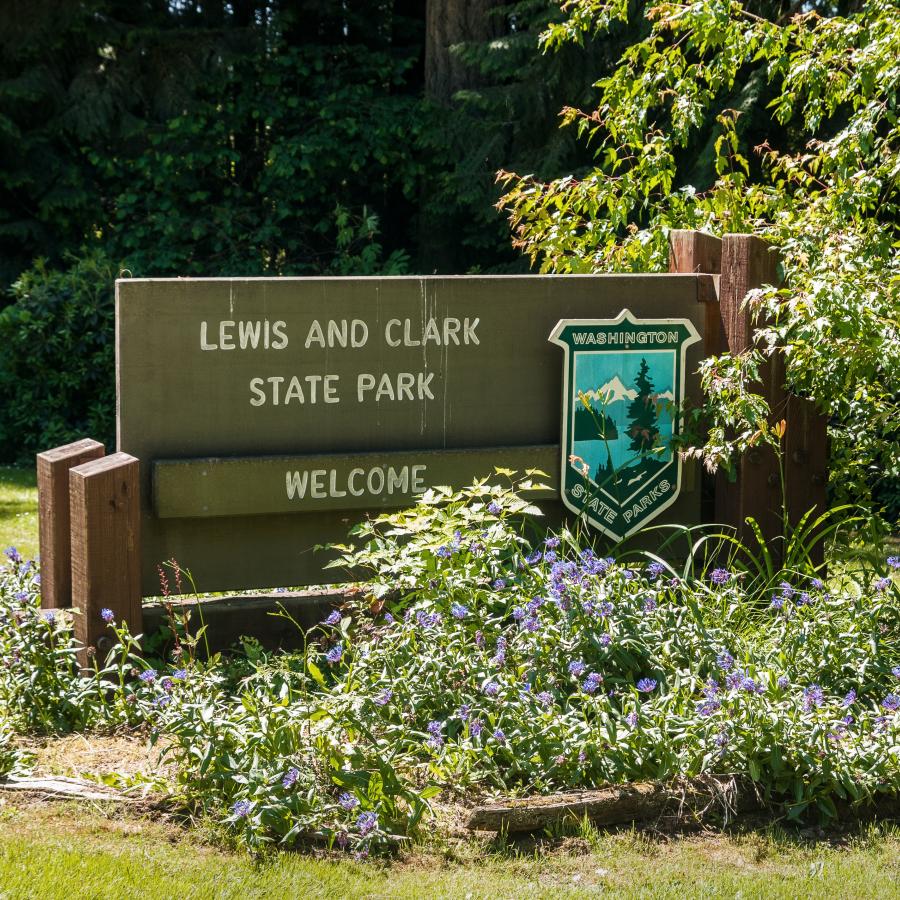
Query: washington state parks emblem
pixel 623 385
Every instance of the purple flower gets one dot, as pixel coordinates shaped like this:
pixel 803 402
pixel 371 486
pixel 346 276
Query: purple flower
pixel 479 639
pixel 499 736
pixel 649 605
pixel 519 613
pixel 475 727
pixel 813 696
pixel 895 671
pixel 499 584
pixel 12 555
pixel 21 596
pixel 180 675
pixel 817 584
pixel 290 778
pixel 107 615
pixel 428 620
pixel 591 683
pixel 491 689
pixel 605 640
pixel 334 618
pixel 458 611
pixel 655 569
pixel 444 552
pixel 384 697
pixel 882 584
pixel 545 698
pixel 632 719
pixel 750 686
pixel 849 699
pixel 894 562
pixel 708 707
pixel 367 822
pixel 494 508
pixel 719 576
pixel 549 556
pixel 434 729
pixel 49 617
pixel 725 661
pixel 722 740
pixel 711 689
pixel 786 590
pixel 576 667
pixel 891 703
pixel 551 542
pixel 463 711
pixel 148 676
pixel 241 809
pixel 534 558
pixel 334 654
pixel 606 608
pixel 646 685
pixel 783 682
pixel 532 624
pixel 777 603
pixel 347 801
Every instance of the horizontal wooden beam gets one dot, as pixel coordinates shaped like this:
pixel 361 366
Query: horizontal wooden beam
pixel 266 485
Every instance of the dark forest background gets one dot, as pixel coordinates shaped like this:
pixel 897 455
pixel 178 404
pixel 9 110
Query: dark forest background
pixel 276 136
pixel 253 137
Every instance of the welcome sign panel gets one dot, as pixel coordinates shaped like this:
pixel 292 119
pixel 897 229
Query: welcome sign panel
pixel 269 415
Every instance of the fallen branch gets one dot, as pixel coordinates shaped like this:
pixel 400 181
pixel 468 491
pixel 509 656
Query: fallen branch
pixel 57 787
pixel 619 805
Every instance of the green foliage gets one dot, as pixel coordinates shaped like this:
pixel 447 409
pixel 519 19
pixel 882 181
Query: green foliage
pixel 798 111
pixel 483 658
pixel 58 361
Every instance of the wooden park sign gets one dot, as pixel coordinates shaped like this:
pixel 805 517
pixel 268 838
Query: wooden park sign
pixel 270 414
pixel 261 417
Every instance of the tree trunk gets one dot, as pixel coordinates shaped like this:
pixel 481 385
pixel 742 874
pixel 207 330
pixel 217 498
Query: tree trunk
pixel 450 22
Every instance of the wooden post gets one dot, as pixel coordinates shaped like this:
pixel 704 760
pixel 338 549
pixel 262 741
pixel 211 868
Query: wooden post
pixel 53 518
pixel 106 572
pixel 695 252
pixel 747 263
pixel 700 253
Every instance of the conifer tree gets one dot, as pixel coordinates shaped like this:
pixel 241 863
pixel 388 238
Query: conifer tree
pixel 642 412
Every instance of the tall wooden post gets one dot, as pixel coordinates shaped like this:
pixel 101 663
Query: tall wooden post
pixel 106 572
pixel 53 518
pixel 747 262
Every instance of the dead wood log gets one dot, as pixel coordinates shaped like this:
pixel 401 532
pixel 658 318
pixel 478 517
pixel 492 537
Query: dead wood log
pixel 57 787
pixel 621 804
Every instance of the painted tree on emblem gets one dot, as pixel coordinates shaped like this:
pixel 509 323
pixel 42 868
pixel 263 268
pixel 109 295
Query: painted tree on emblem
pixel 642 412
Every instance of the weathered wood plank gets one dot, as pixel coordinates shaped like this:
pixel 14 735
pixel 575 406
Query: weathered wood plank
pixel 57 787
pixel 256 485
pixel 105 510
pixel 617 805
pixel 227 619
pixel 53 517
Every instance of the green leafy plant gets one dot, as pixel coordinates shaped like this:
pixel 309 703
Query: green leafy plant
pixel 732 117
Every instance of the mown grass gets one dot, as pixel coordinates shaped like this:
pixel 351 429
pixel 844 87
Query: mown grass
pixel 74 852
pixel 18 510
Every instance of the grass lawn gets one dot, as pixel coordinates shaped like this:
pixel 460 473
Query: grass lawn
pixel 18 510
pixel 70 851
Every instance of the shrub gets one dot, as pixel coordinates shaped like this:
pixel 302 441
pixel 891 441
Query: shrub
pixel 58 361
pixel 485 656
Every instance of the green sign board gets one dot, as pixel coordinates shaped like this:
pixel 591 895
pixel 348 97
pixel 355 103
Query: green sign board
pixel 623 384
pixel 271 414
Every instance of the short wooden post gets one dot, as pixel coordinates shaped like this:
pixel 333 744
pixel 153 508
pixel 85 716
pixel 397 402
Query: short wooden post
pixel 53 518
pixel 106 572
